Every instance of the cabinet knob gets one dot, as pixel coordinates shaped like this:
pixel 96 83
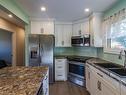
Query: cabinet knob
pixel 88 75
pixel 80 32
pixel 62 42
pixel 99 86
pixel 42 30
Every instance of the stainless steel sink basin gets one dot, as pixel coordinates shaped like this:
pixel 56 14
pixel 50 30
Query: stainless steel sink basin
pixel 119 71
pixel 108 65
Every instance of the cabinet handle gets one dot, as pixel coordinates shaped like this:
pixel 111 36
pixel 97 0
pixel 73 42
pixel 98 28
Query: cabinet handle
pixel 60 67
pixel 42 30
pixel 59 60
pixel 100 75
pixel 62 42
pixel 88 75
pixel 87 66
pixel 59 75
pixel 99 85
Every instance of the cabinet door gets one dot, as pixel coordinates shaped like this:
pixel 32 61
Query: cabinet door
pixel 87 71
pixel 67 33
pixel 107 90
pixel 85 28
pixel 58 35
pixel 76 29
pixel 36 27
pixel 48 27
pixel 93 83
pixel 123 90
pixel 95 29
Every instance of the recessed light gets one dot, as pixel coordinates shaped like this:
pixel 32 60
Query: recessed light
pixel 43 8
pixel 87 10
pixel 10 15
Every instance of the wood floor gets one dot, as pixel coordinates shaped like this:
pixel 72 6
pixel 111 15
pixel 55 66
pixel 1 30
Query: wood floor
pixel 66 88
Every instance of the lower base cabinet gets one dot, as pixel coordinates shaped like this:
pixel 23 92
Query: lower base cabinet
pixel 123 89
pixel 61 69
pixel 100 83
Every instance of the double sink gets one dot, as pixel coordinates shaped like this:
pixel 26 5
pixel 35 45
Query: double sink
pixel 114 68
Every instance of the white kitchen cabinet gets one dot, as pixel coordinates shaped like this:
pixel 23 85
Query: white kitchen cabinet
pixel 76 29
pixel 45 85
pixel 42 27
pixel 100 83
pixel 123 89
pixel 63 33
pixel 93 83
pixel 60 69
pixel 95 28
pixel 81 28
pixel 87 73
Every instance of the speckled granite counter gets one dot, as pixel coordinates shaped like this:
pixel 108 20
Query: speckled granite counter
pixel 21 80
pixel 106 71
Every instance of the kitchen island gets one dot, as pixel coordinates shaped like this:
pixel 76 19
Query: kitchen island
pixel 24 81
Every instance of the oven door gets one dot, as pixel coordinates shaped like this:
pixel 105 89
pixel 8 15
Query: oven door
pixel 77 41
pixel 77 69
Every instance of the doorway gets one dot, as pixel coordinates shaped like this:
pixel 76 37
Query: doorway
pixel 6 46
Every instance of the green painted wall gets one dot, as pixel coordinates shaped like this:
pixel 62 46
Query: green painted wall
pixel 12 6
pixel 115 8
pixel 15 9
pixel 81 51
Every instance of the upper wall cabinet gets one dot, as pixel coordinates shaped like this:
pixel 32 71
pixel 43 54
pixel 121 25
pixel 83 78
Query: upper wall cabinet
pixel 80 28
pixel 95 28
pixel 42 27
pixel 63 33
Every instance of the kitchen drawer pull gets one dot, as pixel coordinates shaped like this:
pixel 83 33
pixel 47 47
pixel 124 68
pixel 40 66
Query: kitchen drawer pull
pixel 60 67
pixel 87 66
pixel 100 75
pixel 59 75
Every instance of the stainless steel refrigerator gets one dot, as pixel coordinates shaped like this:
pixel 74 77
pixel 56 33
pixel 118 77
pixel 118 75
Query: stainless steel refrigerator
pixel 41 52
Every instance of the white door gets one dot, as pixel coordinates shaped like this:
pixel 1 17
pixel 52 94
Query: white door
pixel 123 90
pixel 76 29
pixel 87 78
pixel 48 28
pixel 93 83
pixel 58 35
pixel 85 28
pixel 67 33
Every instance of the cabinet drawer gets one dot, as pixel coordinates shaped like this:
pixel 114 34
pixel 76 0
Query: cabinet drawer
pixel 60 60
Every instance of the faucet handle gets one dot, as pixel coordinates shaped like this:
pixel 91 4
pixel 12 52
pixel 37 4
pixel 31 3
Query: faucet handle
pixel 125 52
pixel 120 54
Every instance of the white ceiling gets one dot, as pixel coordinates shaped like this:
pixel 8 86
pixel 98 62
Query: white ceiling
pixel 64 10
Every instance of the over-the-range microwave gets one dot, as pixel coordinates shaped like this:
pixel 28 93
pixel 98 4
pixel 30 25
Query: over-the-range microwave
pixel 80 40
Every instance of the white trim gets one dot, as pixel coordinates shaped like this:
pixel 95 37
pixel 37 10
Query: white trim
pixel 113 50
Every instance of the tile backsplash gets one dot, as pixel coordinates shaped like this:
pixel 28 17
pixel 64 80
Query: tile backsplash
pixel 89 51
pixel 81 51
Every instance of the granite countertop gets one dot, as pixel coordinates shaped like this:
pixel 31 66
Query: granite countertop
pixel 109 73
pixel 21 80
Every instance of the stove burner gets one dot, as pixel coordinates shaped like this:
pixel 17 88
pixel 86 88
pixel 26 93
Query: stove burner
pixel 78 59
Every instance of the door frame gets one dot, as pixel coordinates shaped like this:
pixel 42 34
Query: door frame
pixel 13 46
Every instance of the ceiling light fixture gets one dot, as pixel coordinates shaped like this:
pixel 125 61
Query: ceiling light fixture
pixel 10 15
pixel 43 9
pixel 87 10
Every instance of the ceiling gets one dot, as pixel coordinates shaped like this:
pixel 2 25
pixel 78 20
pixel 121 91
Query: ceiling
pixel 64 10
pixel 15 20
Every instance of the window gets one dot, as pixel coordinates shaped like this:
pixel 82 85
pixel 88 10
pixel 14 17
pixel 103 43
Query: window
pixel 115 30
pixel 118 35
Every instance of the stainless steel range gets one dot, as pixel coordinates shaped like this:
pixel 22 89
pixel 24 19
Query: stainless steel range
pixel 76 69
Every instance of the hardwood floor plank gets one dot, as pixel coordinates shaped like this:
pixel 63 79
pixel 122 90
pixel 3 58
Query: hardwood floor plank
pixel 67 88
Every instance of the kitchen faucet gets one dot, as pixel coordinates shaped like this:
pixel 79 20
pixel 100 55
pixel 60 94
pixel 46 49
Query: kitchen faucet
pixel 120 57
